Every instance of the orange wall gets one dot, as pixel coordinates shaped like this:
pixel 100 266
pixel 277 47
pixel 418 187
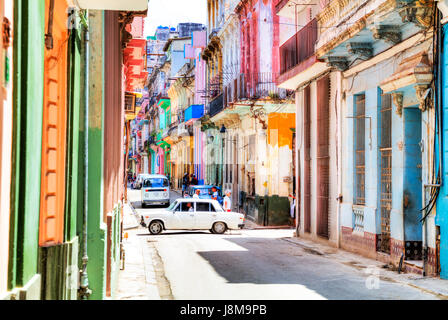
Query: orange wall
pixel 283 122
pixel 54 130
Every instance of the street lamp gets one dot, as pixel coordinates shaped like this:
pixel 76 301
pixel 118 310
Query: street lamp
pixel 223 129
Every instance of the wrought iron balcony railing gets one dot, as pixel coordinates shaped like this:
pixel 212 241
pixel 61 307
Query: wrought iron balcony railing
pixel 299 47
pixel 216 105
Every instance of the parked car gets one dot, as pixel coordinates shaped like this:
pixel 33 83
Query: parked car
pixel 192 214
pixel 155 190
pixel 139 180
pixel 206 192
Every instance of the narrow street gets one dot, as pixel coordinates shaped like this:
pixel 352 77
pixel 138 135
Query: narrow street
pixel 308 139
pixel 257 264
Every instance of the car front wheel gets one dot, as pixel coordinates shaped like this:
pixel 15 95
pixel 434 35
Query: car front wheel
pixel 219 227
pixel 155 227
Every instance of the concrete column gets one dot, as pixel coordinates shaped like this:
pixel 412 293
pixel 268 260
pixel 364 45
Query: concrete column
pixel 372 178
pixel 347 163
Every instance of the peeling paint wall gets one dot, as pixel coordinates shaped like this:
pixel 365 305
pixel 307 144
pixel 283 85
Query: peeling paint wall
pixel 411 133
pixel 279 155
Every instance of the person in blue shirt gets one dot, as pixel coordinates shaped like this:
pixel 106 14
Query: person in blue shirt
pixel 215 193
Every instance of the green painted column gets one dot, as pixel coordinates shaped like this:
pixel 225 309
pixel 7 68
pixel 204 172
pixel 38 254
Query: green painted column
pixel 96 266
pixel 29 20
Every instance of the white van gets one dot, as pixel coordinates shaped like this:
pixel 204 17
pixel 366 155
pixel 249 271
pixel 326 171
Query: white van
pixel 139 181
pixel 155 190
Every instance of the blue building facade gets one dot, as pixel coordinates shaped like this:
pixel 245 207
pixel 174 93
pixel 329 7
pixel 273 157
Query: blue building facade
pixel 441 220
pixel 387 129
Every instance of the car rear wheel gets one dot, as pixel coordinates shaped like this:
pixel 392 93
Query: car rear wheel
pixel 155 227
pixel 219 227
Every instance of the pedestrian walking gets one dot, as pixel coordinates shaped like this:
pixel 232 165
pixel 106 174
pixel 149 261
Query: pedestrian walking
pixel 194 180
pixel 292 211
pixel 228 201
pixel 185 182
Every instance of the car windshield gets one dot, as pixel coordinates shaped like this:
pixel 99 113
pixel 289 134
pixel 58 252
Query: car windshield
pixel 155 183
pixel 172 205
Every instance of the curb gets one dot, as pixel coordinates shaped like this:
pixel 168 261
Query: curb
pixel 272 227
pixel 307 247
pixel 134 212
pixel 311 249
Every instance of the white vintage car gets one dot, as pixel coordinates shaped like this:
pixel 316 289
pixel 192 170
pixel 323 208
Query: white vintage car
pixel 192 214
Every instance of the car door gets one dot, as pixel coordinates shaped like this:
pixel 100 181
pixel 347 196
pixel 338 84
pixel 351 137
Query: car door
pixel 183 218
pixel 204 216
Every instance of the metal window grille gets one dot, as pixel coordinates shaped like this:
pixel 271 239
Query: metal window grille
pixel 386 172
pixel 323 156
pixel 360 132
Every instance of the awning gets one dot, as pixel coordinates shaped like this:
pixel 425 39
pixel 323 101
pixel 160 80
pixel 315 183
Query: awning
pixel 127 5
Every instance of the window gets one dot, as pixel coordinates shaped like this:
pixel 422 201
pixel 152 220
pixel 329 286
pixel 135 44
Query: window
pixel 252 147
pixel 385 141
pixel 251 179
pixel 203 206
pixel 173 205
pixel 156 183
pixel 359 137
pixel 187 206
pixel 216 207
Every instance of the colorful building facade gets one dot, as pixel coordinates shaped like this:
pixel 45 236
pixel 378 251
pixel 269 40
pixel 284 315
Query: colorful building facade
pixel 54 75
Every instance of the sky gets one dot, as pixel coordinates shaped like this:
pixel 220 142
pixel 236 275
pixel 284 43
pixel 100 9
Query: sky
pixel 171 12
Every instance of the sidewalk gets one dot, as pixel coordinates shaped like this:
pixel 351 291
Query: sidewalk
pixel 138 279
pixel 431 285
pixel 251 225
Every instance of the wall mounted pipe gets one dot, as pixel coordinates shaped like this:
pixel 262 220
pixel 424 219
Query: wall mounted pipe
pixel 84 282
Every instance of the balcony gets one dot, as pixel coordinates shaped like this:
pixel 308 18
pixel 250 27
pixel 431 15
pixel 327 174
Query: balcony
pixel 215 86
pixel 184 131
pixel 250 86
pixel 172 132
pixel 216 105
pixel 299 47
pixel 162 99
pixel 193 112
pixel 355 31
pixel 261 86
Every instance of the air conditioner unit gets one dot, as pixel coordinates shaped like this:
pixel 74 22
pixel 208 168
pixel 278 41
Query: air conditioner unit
pixel 128 5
